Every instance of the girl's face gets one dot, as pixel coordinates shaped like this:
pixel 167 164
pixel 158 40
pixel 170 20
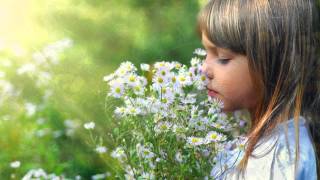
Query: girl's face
pixel 229 78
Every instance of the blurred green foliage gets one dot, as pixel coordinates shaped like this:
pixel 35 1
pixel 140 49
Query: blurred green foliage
pixel 104 34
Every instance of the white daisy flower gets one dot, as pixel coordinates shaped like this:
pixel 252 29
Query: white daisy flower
pixel 192 72
pixel 132 79
pixel 162 71
pixel 89 125
pixel 101 149
pixel 138 90
pixel 144 152
pixel 175 65
pixel 15 164
pixel 213 111
pixel 164 112
pixel 241 142
pixel 184 79
pixel 215 103
pixel 158 159
pixel 147 176
pixel 189 99
pixel 35 174
pixel 145 67
pixel 133 110
pixel 195 61
pixel 173 80
pixel 128 66
pixel 161 64
pixel 163 154
pixel 151 165
pixel 109 77
pixel 120 111
pixel 142 80
pixel 179 129
pixel 30 108
pixel 163 126
pixel 100 176
pixel 167 95
pixel 116 88
pixel 199 123
pixel 118 153
pixel 200 52
pixel 130 173
pixel 217 125
pixel 178 157
pixel 27 68
pixel 195 141
pixel 159 82
pixel 214 136
pixel 125 68
pixel 201 81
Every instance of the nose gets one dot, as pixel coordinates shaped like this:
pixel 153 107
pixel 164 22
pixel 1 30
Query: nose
pixel 205 70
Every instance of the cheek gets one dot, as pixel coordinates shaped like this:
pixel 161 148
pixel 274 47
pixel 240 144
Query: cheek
pixel 232 88
pixel 231 80
pixel 237 89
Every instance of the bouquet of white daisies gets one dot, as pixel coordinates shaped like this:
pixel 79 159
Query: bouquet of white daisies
pixel 167 125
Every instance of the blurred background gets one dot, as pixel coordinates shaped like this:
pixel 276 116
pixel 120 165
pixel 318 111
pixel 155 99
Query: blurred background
pixel 53 56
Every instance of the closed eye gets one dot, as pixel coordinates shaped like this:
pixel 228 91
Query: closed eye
pixel 223 61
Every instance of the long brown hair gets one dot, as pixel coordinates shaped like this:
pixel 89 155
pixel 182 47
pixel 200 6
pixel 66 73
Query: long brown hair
pixel 280 39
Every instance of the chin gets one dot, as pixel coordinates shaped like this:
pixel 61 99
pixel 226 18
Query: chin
pixel 227 109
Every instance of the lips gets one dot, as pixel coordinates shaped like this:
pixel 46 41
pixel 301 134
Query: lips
pixel 212 93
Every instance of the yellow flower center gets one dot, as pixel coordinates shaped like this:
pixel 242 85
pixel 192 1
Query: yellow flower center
pixel 163 127
pixel 137 88
pixel 203 78
pixel 164 100
pixel 182 79
pixel 195 140
pixel 146 152
pixel 214 136
pixel 173 79
pixel 132 79
pixel 132 110
pixel 160 80
pixel 118 90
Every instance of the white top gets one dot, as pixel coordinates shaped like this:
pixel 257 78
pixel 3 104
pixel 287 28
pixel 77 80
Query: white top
pixel 274 157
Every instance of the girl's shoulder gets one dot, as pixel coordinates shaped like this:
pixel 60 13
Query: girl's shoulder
pixel 285 151
pixel 274 156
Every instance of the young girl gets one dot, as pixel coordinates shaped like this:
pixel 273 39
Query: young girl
pixel 262 56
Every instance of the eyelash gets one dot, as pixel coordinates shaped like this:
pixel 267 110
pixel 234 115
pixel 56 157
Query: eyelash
pixel 223 61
